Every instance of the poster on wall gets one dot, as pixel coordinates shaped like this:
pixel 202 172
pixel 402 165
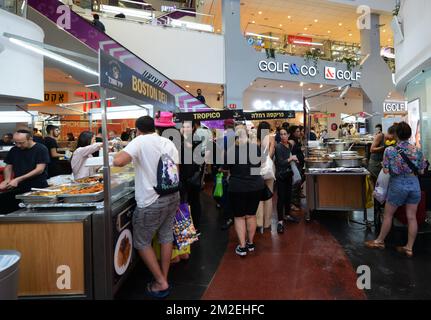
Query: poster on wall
pixel 413 118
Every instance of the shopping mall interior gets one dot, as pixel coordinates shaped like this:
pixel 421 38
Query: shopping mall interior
pixel 343 73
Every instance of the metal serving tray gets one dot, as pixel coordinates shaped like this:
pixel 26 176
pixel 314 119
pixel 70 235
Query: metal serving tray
pixel 81 198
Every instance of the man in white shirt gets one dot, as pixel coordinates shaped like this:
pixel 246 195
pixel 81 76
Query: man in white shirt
pixel 154 213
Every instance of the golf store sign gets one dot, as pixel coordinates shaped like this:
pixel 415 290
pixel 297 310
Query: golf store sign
pixel 330 73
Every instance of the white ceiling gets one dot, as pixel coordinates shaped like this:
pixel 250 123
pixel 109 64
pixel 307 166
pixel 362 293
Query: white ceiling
pixel 275 15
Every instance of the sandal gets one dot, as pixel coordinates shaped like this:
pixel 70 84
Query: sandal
pixel 373 244
pixel 156 294
pixel 405 251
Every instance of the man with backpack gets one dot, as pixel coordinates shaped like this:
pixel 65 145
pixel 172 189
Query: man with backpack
pixel 156 192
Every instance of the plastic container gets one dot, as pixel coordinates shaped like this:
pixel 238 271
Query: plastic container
pixel 9 272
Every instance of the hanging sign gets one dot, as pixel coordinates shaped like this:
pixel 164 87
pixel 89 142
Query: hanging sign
pixel 323 115
pixel 52 98
pixel 117 76
pixel 395 107
pixel 208 115
pixel 268 115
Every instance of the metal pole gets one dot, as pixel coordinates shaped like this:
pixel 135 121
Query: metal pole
pixel 107 197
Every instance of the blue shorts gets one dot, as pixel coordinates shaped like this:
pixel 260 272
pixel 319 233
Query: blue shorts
pixel 404 190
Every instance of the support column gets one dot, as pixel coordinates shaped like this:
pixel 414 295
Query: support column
pixel 376 79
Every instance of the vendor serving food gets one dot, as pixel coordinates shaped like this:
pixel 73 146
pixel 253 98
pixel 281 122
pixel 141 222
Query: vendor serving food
pixel 85 148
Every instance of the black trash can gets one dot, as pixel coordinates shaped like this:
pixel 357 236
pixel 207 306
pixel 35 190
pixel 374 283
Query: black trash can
pixel 9 263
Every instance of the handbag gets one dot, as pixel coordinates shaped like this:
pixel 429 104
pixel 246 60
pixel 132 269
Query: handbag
pixel 196 180
pixel 267 169
pixel 266 194
pixel 184 230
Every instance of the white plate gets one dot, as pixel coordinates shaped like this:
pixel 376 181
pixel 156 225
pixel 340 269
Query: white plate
pixel 121 269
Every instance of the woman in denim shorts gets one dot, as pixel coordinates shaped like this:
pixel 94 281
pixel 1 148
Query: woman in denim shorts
pixel 404 188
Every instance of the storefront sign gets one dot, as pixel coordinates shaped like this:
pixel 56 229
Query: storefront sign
pixel 323 115
pixel 268 115
pixel 306 41
pixel 117 76
pixel 207 115
pixel 395 107
pixel 330 73
pixel 51 98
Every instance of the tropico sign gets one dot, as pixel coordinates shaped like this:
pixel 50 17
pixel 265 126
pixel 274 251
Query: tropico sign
pixel 330 73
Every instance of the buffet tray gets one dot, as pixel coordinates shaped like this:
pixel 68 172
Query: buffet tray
pixel 81 198
pixel 30 197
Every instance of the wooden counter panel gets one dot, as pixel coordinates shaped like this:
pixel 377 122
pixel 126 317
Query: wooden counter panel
pixel 337 191
pixel 44 247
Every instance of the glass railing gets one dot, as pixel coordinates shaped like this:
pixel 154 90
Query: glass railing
pixel 18 7
pixel 312 49
pixel 133 11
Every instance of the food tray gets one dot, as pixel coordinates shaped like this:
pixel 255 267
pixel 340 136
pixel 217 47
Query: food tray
pixel 34 197
pixel 81 198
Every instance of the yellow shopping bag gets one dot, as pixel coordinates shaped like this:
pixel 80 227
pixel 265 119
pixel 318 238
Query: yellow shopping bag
pixel 369 193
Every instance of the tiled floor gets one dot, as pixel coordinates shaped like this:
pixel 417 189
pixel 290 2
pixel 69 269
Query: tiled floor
pixel 310 261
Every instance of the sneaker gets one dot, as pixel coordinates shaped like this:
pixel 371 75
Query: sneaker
pixel 227 224
pixel 241 251
pixel 250 246
pixel 291 218
pixel 259 230
pixel 280 228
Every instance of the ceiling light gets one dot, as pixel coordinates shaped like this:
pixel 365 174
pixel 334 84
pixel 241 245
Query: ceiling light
pixel 261 36
pixel 305 28
pixel 218 30
pixel 301 84
pixel 91 85
pixel 187 86
pixel 315 20
pixel 340 24
pixel 251 83
pixel 309 43
pixel 126 11
pixel 260 12
pixel 253 21
pixel 289 17
pixel 350 34
pixel 309 89
pixel 321 86
pixel 82 102
pixel 384 30
pixel 281 86
pixel 51 55
pixel 122 112
pixel 281 25
pixel 329 31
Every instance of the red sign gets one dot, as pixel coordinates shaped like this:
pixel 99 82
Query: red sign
pixel 232 106
pixel 299 40
pixel 90 96
pixel 323 115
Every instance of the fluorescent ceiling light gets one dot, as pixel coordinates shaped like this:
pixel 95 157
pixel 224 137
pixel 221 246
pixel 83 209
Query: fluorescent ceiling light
pixel 17 116
pixel 53 56
pixel 191 25
pixel 261 36
pixel 136 2
pixel 82 102
pixel 91 85
pixel 127 11
pixel 308 43
pixel 123 112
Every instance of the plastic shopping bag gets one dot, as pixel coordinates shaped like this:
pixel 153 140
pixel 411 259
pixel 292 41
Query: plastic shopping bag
pixel 296 174
pixel 184 230
pixel 218 190
pixel 381 189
